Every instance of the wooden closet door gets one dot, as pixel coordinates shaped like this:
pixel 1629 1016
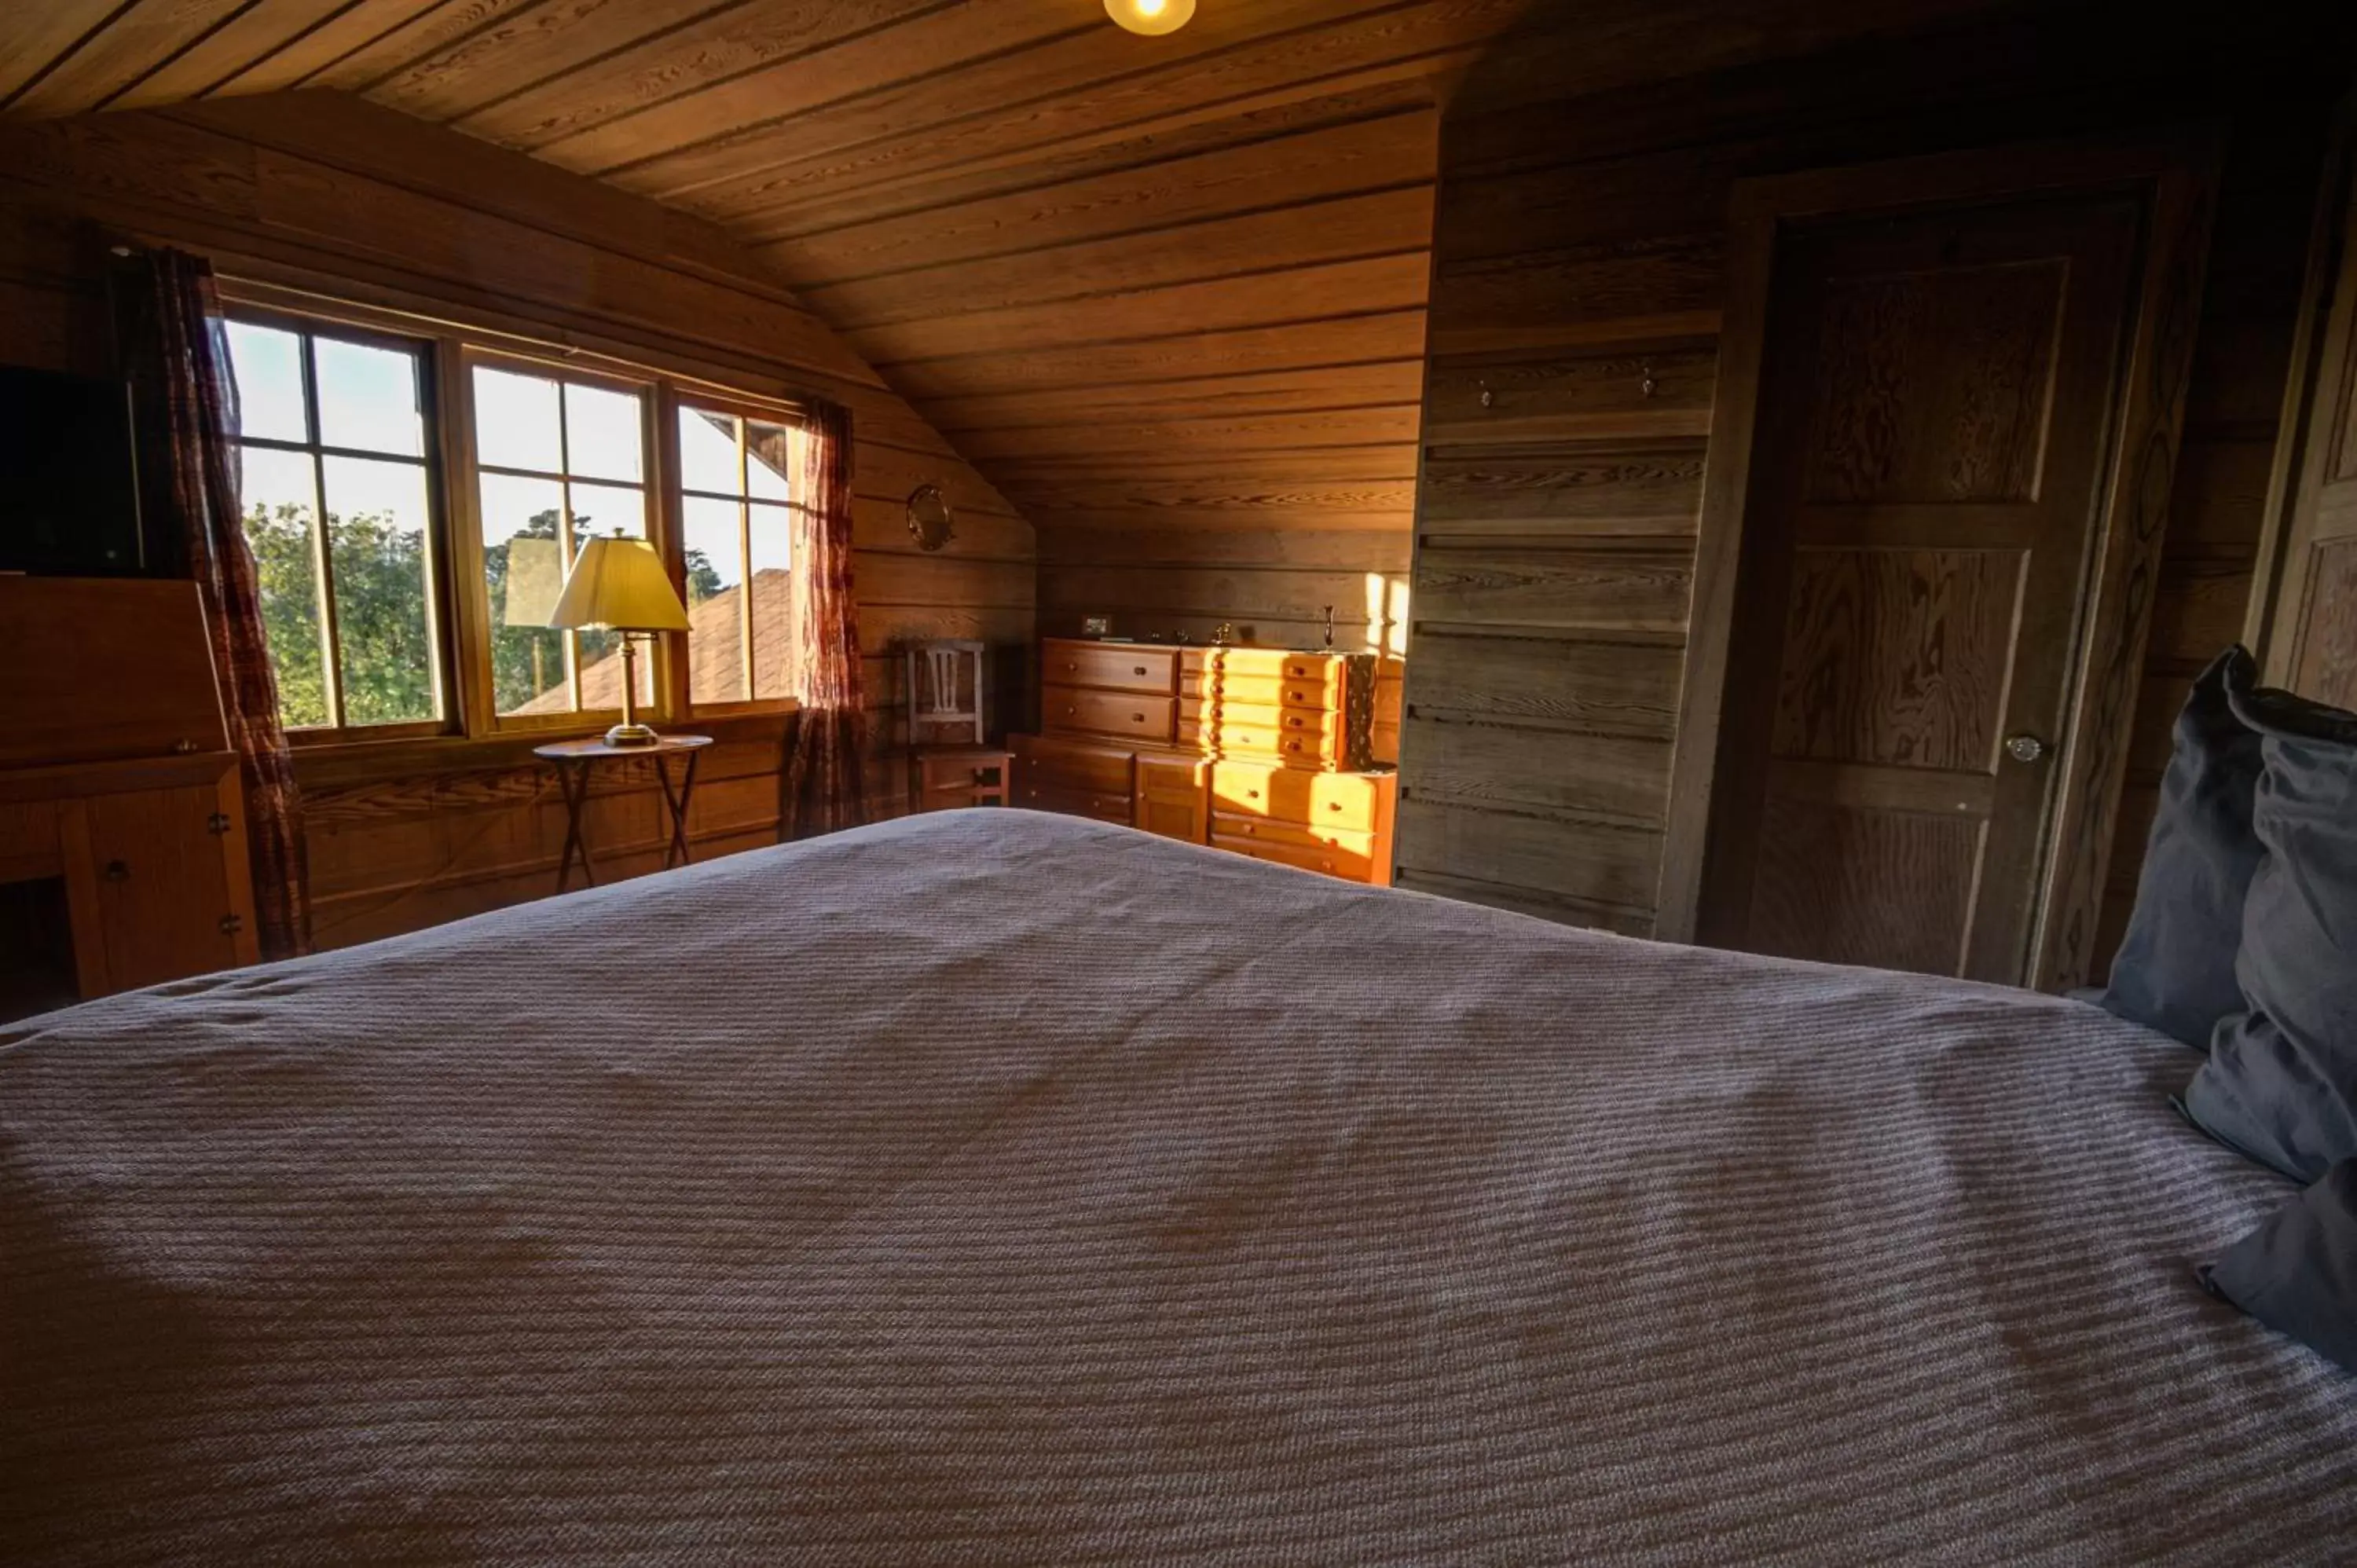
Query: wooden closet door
pixel 2308 630
pixel 1935 408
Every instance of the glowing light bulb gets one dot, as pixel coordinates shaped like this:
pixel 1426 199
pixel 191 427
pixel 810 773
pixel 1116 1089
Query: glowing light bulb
pixel 1151 18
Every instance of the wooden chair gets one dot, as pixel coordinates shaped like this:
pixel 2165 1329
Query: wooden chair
pixel 945 685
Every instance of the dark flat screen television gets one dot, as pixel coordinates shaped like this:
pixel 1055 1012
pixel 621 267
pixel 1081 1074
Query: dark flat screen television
pixel 69 483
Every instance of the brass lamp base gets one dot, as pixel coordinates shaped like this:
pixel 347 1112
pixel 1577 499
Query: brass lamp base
pixel 631 734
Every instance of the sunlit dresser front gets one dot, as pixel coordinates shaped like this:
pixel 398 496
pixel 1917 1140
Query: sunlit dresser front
pixel 1282 755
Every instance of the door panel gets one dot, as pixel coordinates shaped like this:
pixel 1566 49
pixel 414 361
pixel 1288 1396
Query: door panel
pixel 2312 622
pixel 1897 656
pixel 1935 401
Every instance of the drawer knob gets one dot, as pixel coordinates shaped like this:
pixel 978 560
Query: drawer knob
pixel 1069 713
pixel 1137 718
pixel 231 924
pixel 1251 794
pixel 1333 805
pixel 1071 669
pixel 116 872
pixel 1137 670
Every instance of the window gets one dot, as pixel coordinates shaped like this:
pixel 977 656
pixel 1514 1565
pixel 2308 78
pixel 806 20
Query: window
pixel 338 506
pixel 556 459
pixel 736 531
pixel 388 618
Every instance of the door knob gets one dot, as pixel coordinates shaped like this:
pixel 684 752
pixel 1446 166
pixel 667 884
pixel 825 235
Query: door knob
pixel 2024 747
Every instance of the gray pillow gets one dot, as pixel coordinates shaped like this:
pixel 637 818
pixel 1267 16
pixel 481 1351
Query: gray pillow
pixel 2298 1272
pixel 2281 1080
pixel 2175 971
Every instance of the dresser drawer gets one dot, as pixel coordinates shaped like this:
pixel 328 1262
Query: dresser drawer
pixel 1071 767
pixel 1114 809
pixel 1267 716
pixel 1283 665
pixel 1293 747
pixel 1080 710
pixel 1351 802
pixel 1264 691
pixel 1350 865
pixel 1122 668
pixel 1270 829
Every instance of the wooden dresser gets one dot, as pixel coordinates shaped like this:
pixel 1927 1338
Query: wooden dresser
pixel 1280 755
pixel 123 846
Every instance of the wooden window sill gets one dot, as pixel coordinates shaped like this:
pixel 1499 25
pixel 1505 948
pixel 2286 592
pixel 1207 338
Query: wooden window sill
pixel 345 763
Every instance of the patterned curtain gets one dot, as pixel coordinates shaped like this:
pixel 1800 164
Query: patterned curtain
pixel 188 355
pixel 826 783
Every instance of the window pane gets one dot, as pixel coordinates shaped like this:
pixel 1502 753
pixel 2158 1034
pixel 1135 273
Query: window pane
pixel 772 606
pixel 267 365
pixel 715 601
pixel 515 420
pixel 523 569
pixel 607 509
pixel 277 498
pixel 369 398
pixel 376 544
pixel 603 434
pixel 707 452
pixel 768 461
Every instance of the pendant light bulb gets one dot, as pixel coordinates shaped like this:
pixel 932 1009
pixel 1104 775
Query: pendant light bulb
pixel 1151 18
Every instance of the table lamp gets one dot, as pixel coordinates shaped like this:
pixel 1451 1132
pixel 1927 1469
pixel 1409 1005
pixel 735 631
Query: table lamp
pixel 618 583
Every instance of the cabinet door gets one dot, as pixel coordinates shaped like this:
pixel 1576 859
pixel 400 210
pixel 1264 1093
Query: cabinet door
pixel 168 905
pixel 1174 797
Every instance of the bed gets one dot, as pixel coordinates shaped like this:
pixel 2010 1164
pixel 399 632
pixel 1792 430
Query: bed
pixel 991 1188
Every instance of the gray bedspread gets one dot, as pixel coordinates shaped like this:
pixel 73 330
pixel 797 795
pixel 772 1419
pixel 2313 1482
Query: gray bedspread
pixel 1000 1188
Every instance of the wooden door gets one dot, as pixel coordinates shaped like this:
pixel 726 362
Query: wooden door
pixel 171 891
pixel 2306 620
pixel 1935 407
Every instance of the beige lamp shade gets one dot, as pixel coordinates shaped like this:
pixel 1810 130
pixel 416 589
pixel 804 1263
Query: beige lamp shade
pixel 620 583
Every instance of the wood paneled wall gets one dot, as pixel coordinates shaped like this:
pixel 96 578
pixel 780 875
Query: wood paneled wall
pixel 321 192
pixel 1577 289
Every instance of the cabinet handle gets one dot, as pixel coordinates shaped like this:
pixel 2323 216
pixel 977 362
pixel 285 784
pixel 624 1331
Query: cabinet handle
pixel 1137 670
pixel 231 925
pixel 116 872
pixel 217 824
pixel 1137 718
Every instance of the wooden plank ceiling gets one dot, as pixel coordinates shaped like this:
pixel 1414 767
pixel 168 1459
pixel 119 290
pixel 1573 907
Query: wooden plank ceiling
pixel 1138 282
pixel 1135 280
